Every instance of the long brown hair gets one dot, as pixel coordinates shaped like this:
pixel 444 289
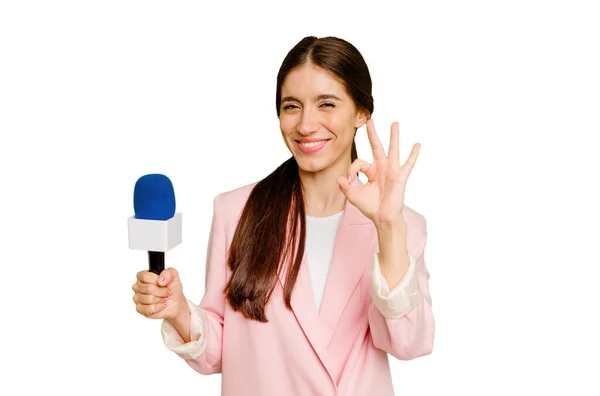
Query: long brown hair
pixel 272 227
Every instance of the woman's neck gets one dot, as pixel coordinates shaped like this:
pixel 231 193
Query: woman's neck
pixel 322 194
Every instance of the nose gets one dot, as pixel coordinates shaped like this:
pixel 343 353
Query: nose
pixel 308 123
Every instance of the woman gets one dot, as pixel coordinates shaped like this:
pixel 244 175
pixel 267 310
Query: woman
pixel 315 311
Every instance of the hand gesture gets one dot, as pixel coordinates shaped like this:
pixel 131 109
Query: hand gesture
pixel 381 199
pixel 159 296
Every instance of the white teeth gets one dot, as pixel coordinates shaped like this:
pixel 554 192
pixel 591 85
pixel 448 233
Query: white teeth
pixel 312 144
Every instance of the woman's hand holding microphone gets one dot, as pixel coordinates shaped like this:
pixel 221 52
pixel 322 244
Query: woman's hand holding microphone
pixel 161 297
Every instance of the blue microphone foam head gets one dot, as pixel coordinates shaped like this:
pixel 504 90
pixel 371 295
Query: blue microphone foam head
pixel 154 198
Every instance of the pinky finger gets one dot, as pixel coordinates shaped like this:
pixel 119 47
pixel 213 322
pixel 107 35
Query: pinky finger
pixel 412 158
pixel 153 311
pixel 161 311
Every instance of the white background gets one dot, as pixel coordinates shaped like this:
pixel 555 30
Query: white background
pixel 504 97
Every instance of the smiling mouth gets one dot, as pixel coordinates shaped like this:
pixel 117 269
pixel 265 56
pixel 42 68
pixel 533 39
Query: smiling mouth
pixel 312 144
pixel 312 147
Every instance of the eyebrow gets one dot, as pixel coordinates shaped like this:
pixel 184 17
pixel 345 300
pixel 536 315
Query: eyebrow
pixel 319 97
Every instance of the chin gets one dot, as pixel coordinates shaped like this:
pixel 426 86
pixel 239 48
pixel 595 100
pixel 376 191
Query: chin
pixel 312 164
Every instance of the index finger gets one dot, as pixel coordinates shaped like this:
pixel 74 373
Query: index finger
pixel 147 277
pixel 378 151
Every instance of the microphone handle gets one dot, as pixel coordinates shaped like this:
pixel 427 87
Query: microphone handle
pixel 157 262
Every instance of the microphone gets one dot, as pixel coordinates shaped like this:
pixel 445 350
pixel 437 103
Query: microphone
pixel 155 227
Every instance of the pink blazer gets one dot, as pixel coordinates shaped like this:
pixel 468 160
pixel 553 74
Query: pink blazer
pixel 340 350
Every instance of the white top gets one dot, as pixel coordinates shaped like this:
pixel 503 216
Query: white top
pixel 320 239
pixel 392 303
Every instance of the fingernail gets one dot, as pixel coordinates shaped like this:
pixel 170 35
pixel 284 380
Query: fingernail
pixel 162 280
pixel 167 296
pixel 165 303
pixel 349 178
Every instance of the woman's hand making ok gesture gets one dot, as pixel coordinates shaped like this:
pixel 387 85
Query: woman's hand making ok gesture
pixel 381 199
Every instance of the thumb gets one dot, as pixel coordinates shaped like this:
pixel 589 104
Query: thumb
pixel 168 277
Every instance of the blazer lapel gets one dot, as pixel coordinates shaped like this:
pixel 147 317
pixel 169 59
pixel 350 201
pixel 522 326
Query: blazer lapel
pixel 305 308
pixel 350 255
pixel 352 252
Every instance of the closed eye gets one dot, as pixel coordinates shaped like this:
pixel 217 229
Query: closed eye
pixel 326 104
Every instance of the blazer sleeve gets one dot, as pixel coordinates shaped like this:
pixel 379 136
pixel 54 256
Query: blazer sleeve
pixel 204 351
pixel 401 320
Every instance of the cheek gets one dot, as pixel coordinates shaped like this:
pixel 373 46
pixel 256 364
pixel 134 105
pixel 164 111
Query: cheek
pixel 340 126
pixel 286 124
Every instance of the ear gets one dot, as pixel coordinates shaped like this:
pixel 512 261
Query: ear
pixel 361 118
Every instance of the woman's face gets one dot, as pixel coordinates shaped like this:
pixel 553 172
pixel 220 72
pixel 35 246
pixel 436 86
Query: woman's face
pixel 317 118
